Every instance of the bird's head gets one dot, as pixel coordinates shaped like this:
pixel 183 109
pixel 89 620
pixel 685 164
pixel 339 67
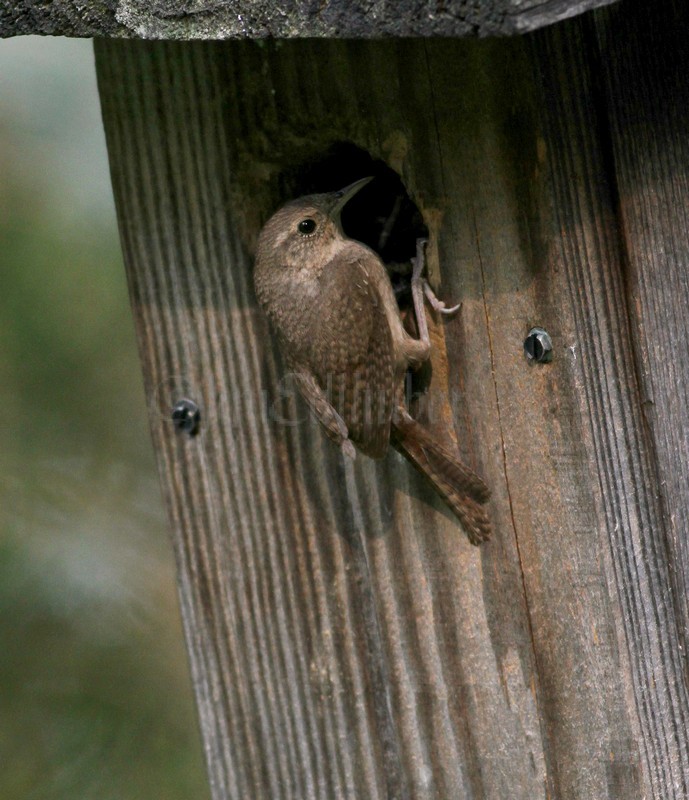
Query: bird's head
pixel 305 233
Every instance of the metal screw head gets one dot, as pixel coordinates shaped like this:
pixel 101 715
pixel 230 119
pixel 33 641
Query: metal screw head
pixel 186 416
pixel 538 346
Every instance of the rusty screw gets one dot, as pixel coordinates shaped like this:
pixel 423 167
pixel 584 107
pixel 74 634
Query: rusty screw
pixel 186 416
pixel 538 346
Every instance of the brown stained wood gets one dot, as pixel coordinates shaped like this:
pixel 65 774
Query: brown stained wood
pixel 591 261
pixel 648 100
pixel 346 641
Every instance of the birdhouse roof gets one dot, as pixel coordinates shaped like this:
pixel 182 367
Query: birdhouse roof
pixel 260 19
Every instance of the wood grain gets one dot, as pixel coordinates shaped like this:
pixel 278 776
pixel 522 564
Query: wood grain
pixel 592 258
pixel 647 100
pixel 345 639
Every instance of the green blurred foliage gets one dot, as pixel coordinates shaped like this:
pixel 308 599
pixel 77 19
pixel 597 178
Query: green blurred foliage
pixel 95 696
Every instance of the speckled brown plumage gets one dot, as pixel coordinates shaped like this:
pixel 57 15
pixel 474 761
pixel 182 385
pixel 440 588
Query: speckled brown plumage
pixel 330 301
pixel 351 350
pixel 459 486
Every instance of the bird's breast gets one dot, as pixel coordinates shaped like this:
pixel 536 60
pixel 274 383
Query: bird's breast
pixel 290 299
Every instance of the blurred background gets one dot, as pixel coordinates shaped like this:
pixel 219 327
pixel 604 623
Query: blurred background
pixel 95 695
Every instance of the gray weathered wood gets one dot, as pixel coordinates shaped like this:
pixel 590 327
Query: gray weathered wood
pixel 259 19
pixel 345 639
pixel 644 60
pixel 593 257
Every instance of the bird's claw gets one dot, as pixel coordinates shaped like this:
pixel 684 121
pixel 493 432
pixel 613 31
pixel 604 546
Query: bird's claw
pixel 438 305
pixel 419 260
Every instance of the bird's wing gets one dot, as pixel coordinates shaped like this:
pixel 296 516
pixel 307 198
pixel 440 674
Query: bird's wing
pixel 352 350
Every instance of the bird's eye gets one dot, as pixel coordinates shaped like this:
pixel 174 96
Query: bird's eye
pixel 306 227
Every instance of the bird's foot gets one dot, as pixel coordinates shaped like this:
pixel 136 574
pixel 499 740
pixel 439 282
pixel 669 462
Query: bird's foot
pixel 418 280
pixel 419 260
pixel 438 305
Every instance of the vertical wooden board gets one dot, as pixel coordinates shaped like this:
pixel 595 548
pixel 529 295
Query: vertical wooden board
pixel 339 642
pixel 588 267
pixel 644 57
pixel 346 640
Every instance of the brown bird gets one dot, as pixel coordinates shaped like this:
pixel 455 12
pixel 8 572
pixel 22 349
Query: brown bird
pixel 331 303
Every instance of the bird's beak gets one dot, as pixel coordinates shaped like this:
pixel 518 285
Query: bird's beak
pixel 343 196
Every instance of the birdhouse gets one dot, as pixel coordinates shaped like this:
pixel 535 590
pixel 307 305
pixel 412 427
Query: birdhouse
pixel 346 639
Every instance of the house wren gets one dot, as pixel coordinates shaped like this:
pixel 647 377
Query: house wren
pixel 331 303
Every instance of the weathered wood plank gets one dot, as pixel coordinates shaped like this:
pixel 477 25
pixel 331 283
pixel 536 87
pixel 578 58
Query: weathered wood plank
pixel 346 640
pixel 296 636
pixel 644 58
pixel 260 19
pixel 630 519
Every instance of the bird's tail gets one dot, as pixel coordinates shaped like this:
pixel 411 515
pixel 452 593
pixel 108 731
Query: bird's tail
pixel 460 487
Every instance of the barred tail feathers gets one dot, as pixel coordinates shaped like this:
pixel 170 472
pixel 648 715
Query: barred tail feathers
pixel 460 487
